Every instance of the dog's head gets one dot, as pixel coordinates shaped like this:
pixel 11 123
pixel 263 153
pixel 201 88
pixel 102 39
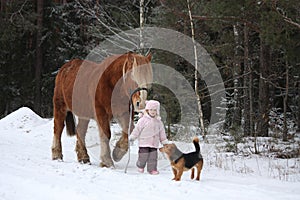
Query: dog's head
pixel 168 149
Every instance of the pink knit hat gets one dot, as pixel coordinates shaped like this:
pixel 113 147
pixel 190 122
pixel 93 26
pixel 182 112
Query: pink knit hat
pixel 152 104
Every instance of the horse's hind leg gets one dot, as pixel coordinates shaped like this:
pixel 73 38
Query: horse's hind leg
pixel 59 118
pixel 82 155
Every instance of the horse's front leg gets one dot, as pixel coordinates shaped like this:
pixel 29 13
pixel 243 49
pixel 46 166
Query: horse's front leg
pixel 121 147
pixel 105 135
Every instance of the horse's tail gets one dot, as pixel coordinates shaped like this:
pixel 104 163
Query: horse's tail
pixel 70 124
pixel 196 143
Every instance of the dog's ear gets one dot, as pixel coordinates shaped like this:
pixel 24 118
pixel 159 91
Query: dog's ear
pixel 161 149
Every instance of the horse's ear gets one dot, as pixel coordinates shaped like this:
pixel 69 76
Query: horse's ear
pixel 130 56
pixel 149 56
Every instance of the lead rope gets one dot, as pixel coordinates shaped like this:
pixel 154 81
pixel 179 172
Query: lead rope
pixel 128 134
pixel 130 122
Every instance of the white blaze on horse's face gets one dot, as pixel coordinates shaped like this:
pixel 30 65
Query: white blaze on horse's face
pixel 142 75
pixel 143 98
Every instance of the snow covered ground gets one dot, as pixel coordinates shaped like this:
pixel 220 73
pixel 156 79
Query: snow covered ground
pixel 27 171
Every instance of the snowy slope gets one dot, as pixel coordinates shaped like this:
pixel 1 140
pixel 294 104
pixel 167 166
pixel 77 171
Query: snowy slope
pixel 27 171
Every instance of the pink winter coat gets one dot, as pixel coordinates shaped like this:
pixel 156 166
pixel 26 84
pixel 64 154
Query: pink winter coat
pixel 149 131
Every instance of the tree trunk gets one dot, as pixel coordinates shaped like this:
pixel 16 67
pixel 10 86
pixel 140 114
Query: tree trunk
pixel 251 101
pixel 285 129
pixel 247 85
pixel 236 122
pixel 298 123
pixel 141 44
pixel 196 73
pixel 263 103
pixel 3 4
pixel 39 56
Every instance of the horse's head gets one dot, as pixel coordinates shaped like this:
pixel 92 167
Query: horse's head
pixel 137 73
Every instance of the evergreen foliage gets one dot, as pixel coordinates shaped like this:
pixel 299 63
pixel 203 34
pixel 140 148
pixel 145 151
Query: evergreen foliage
pixel 268 30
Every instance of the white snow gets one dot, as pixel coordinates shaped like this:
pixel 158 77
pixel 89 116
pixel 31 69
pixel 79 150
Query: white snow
pixel 27 171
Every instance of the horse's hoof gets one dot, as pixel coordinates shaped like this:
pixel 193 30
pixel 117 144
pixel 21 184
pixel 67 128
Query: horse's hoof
pixel 57 157
pixel 107 165
pixel 118 154
pixel 116 158
pixel 84 161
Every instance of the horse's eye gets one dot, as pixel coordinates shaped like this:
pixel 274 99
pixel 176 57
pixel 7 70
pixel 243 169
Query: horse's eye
pixel 138 104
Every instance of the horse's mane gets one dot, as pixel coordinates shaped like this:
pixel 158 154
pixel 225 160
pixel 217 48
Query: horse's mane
pixel 134 65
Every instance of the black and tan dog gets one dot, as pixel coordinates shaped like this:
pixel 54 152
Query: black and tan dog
pixel 184 161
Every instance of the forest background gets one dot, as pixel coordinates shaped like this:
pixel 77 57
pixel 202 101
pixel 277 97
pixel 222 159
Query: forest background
pixel 255 45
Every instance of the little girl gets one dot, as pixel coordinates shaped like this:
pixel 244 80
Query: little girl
pixel 150 131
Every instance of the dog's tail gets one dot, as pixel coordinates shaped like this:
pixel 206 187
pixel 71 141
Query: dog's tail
pixel 196 143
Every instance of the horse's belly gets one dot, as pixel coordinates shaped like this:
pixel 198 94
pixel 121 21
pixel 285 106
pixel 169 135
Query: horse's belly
pixel 83 109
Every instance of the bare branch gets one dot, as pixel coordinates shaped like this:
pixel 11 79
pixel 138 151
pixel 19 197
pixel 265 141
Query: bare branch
pixel 284 15
pixel 19 12
pixel 223 18
pixel 114 30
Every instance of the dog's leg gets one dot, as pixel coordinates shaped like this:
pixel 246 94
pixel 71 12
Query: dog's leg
pixel 199 168
pixel 175 173
pixel 179 174
pixel 192 173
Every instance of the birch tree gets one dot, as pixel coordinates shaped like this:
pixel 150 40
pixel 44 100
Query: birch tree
pixel 141 43
pixel 196 71
pixel 236 81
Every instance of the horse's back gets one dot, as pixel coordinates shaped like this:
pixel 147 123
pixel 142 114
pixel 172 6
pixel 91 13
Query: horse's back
pixel 68 70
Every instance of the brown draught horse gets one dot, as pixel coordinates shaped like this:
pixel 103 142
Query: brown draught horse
pixel 100 92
